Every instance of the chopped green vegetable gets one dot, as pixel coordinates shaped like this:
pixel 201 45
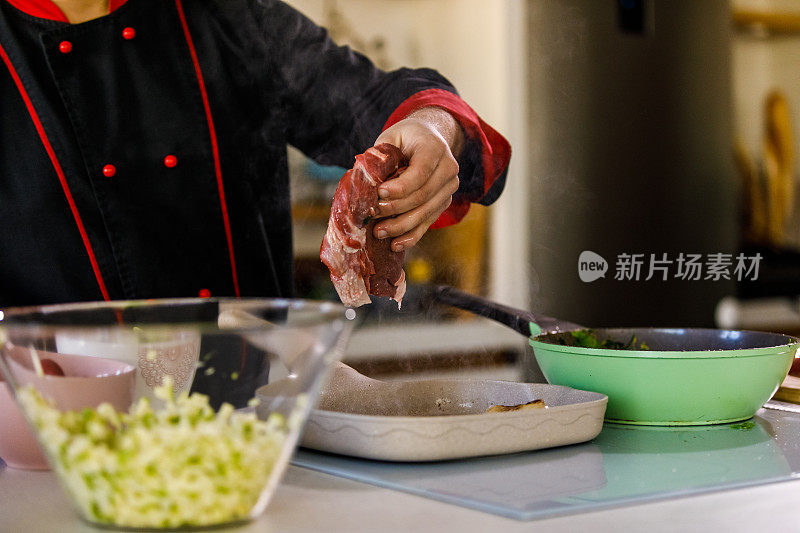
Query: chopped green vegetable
pixel 587 338
pixel 183 465
pixel 743 425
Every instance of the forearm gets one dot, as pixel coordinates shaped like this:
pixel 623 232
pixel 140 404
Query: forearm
pixel 444 123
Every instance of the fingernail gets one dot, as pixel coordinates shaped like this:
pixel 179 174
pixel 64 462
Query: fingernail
pixel 383 193
pixel 398 247
pixel 382 233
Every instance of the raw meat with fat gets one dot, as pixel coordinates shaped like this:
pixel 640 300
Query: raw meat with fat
pixel 359 263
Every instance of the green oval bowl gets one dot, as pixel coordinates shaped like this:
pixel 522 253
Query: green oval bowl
pixel 672 387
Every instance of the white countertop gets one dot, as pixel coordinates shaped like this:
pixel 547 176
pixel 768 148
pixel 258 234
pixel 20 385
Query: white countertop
pixel 308 501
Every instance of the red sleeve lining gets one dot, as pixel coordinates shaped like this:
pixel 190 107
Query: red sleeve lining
pixel 495 149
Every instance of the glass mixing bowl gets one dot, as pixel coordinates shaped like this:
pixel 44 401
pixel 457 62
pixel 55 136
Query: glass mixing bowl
pixel 145 409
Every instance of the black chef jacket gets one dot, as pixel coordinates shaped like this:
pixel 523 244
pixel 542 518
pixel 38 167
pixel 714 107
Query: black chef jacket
pixel 143 154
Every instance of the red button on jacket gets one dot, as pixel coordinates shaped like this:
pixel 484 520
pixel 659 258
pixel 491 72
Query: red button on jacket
pixel 170 161
pixel 65 47
pixel 128 34
pixel 109 171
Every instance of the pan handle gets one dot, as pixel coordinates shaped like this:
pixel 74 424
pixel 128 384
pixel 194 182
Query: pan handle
pixel 524 322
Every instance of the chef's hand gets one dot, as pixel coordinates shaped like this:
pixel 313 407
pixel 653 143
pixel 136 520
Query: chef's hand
pixel 431 139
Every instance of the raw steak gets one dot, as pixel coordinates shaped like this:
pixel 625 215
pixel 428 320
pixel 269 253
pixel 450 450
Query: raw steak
pixel 360 264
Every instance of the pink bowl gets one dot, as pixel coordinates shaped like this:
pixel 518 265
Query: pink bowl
pixel 88 382
pixel 18 446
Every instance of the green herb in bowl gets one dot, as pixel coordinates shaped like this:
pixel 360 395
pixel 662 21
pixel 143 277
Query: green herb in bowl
pixel 587 338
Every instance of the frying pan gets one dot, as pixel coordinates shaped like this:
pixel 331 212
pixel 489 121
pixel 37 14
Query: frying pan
pixel 686 376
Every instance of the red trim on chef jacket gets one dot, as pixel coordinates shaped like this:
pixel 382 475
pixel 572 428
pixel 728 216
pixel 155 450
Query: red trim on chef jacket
pixel 214 147
pixel 47 9
pixel 113 5
pixel 495 150
pixel 59 172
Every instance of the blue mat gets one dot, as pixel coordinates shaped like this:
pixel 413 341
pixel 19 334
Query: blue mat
pixel 623 465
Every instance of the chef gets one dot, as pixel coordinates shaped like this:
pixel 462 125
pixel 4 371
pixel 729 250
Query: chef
pixel 143 145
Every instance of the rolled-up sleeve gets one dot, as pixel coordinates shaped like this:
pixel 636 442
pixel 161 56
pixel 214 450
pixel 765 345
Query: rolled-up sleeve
pixel 483 164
